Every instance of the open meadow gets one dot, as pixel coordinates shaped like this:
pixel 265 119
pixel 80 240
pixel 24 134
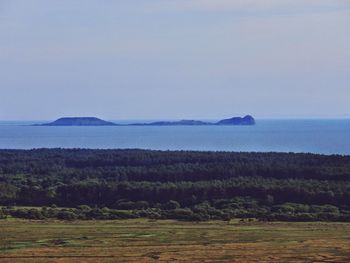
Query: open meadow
pixel 145 240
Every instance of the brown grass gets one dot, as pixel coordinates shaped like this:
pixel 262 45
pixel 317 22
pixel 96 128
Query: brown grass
pixel 142 240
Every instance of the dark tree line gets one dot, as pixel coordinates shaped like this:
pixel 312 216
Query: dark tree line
pixel 203 185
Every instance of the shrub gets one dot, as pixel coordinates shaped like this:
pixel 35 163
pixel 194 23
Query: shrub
pixel 171 205
pixel 66 215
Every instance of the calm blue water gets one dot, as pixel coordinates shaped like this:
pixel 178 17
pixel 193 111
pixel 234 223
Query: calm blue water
pixel 317 136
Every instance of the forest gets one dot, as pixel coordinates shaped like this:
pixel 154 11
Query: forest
pixel 186 185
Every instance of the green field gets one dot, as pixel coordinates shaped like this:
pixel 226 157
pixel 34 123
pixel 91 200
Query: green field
pixel 143 240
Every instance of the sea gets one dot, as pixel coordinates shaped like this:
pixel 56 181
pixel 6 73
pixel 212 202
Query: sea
pixel 331 136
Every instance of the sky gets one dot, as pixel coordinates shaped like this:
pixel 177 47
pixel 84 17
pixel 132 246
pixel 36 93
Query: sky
pixel 174 59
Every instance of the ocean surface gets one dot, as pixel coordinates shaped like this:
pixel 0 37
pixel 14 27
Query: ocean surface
pixel 316 136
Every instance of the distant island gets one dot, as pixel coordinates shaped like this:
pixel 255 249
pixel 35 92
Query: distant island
pixel 79 121
pixel 246 120
pixel 93 121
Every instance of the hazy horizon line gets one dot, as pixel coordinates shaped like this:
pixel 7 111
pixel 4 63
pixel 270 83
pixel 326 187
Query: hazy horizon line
pixel 184 118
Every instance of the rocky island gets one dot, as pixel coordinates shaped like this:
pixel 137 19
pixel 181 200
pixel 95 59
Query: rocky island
pixel 79 121
pixel 173 123
pixel 93 121
pixel 246 120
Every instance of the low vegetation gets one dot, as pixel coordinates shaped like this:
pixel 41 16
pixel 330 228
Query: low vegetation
pixel 142 240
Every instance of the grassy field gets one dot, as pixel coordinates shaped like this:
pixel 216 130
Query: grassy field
pixel 143 240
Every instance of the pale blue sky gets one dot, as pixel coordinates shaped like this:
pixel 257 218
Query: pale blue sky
pixel 174 59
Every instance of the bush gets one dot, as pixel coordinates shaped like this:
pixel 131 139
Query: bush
pixel 84 208
pixel 115 214
pixel 171 205
pixel 150 213
pixel 2 214
pixel 181 214
pixel 66 215
pixel 125 205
